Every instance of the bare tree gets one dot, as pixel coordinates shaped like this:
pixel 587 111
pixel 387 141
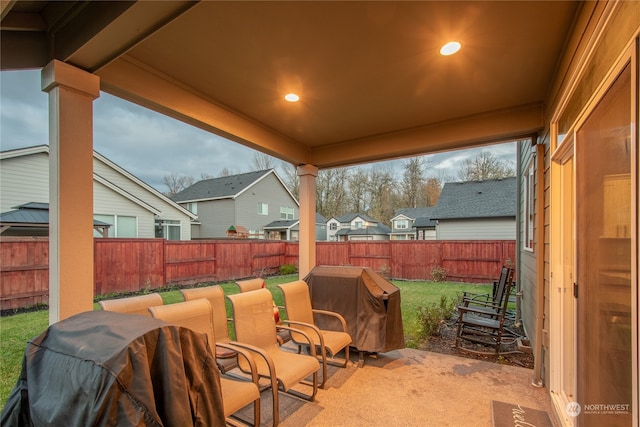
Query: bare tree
pixel 176 183
pixel 359 199
pixel 431 191
pixel 225 172
pixel 485 166
pixel 262 161
pixel 385 200
pixel 291 179
pixel 331 192
pixel 412 182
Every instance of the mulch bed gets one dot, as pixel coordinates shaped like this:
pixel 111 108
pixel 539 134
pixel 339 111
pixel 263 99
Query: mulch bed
pixel 445 343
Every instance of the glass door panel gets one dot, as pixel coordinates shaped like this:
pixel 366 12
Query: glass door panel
pixel 603 259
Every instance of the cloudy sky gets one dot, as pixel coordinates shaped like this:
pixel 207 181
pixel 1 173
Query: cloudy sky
pixel 151 146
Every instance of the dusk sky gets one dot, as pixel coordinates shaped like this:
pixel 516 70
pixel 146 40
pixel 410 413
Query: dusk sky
pixel 151 146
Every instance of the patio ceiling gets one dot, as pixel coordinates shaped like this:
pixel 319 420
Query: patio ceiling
pixel 371 81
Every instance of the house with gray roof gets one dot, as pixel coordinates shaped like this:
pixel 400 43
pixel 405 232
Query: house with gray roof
pixel 356 226
pixel 290 229
pixel 128 206
pixel 413 224
pixel 252 200
pixel 477 210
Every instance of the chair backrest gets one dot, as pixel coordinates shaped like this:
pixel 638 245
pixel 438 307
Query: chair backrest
pixel 250 284
pixel 195 315
pixel 506 274
pixel 297 301
pixel 505 300
pixel 253 318
pixel 132 305
pixel 215 296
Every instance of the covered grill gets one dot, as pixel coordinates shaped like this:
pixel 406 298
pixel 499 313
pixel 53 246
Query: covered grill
pixel 369 303
pixel 104 368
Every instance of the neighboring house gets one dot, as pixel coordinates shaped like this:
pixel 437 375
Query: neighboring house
pixel 131 207
pixel 282 230
pixel 356 226
pixel 477 210
pixel 32 219
pixel 321 227
pixel 290 230
pixel 252 200
pixel 413 224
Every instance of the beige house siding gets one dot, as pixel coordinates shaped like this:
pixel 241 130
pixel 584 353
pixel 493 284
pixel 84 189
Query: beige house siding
pixel 106 202
pixel 24 179
pixel 164 208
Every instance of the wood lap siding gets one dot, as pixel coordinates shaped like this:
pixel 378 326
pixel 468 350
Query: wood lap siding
pixel 132 265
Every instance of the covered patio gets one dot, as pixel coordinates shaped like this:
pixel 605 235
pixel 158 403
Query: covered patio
pixel 415 388
pixel 372 85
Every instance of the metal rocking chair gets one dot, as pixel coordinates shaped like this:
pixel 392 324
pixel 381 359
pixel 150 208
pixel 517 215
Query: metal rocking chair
pixel 485 324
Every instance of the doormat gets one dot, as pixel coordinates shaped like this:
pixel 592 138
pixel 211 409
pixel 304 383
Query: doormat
pixel 507 414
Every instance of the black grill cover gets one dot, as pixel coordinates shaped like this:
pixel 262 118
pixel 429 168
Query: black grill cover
pixel 104 368
pixel 369 303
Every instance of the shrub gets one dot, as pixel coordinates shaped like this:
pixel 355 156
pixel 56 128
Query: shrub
pixel 288 269
pixel 432 318
pixel 438 274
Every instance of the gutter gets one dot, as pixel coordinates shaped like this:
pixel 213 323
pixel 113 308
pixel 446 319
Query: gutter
pixel 540 250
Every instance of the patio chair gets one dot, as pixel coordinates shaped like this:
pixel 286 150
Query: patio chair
pixel 256 331
pixel 490 304
pixel 197 316
pixel 226 359
pixel 132 305
pixel 300 314
pixel 484 325
pixel 249 285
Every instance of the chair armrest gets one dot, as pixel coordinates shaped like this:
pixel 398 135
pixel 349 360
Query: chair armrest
pixel 260 352
pixel 246 355
pixel 333 314
pixel 478 297
pixel 462 310
pixel 304 334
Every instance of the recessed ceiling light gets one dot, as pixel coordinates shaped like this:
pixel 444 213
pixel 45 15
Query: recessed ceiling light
pixel 292 97
pixel 450 48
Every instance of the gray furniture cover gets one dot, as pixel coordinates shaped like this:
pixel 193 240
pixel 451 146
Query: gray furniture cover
pixel 369 303
pixel 105 368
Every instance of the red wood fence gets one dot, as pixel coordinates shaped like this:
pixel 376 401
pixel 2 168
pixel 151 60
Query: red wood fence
pixel 129 265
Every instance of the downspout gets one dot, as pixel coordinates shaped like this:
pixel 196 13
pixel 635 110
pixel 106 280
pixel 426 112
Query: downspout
pixel 540 248
pixel 518 260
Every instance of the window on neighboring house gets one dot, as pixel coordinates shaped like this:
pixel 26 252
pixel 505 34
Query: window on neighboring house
pixel 263 208
pixel 358 225
pixel 121 225
pixel 168 229
pixel 529 206
pixel 193 207
pixel 333 226
pixel 402 224
pixel 286 213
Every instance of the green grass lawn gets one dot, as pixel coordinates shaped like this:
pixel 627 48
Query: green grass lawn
pixel 17 329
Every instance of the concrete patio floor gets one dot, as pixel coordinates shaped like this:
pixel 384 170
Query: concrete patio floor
pixel 411 388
